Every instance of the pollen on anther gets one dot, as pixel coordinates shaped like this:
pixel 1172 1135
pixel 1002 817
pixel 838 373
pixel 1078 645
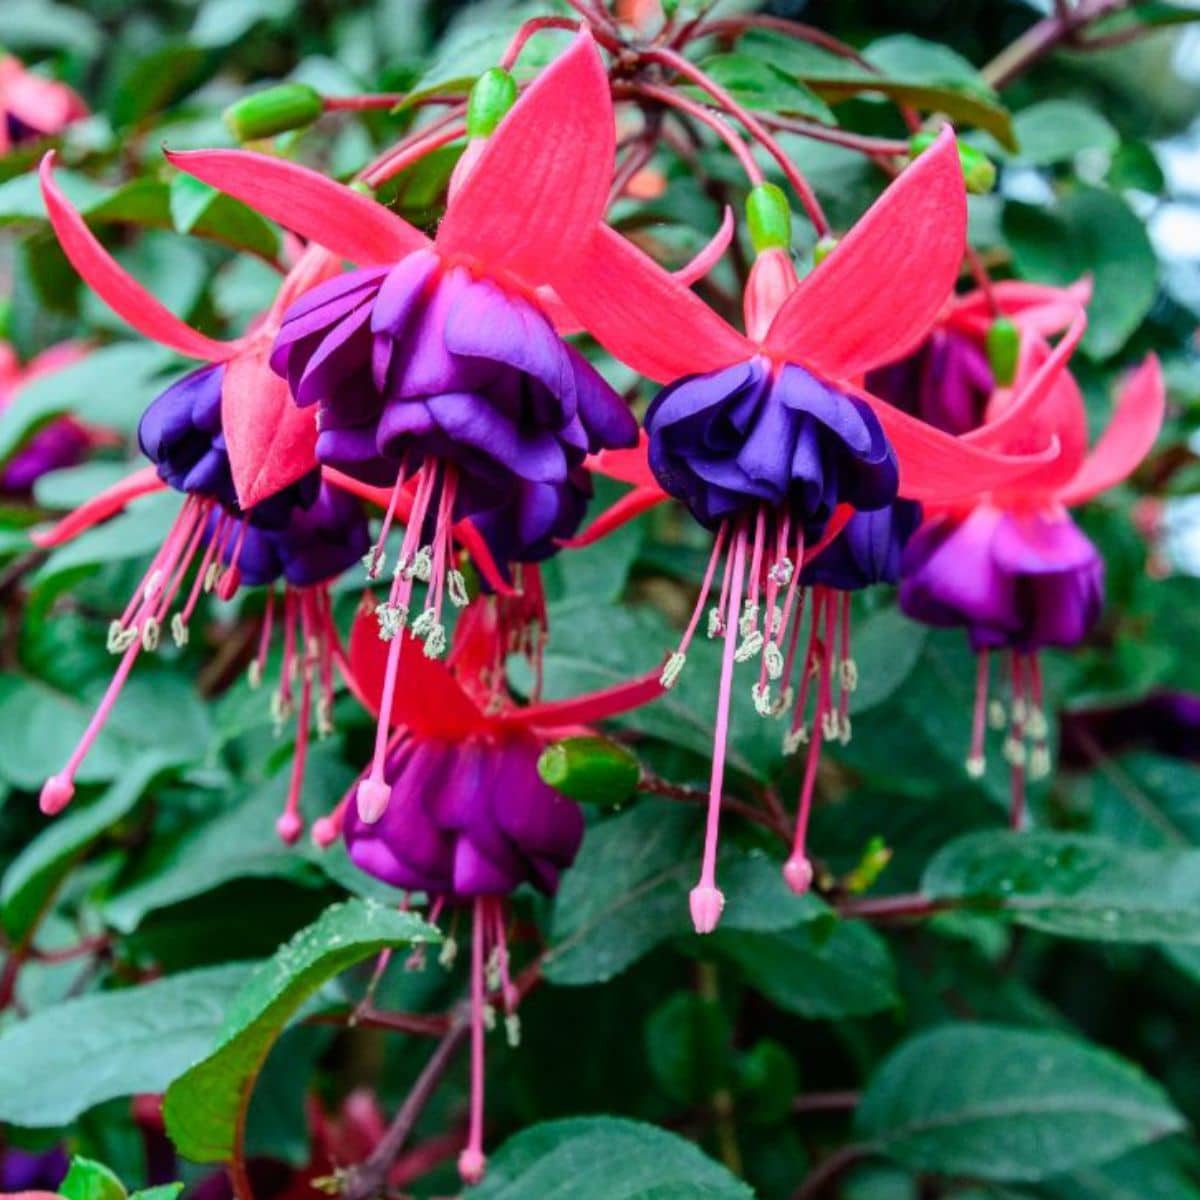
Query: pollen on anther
pixel 672 669
pixel 752 644
pixel 716 626
pixel 976 766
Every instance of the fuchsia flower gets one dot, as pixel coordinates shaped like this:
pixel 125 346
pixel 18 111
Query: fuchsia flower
pixel 228 438
pixel 1013 568
pixel 771 442
pixel 61 443
pixel 469 818
pixel 436 365
pixel 31 106
pixel 947 381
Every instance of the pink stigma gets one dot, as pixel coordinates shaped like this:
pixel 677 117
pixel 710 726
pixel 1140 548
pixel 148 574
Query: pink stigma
pixel 798 874
pixel 289 827
pixel 325 832
pixel 373 796
pixel 57 792
pixel 471 1166
pixel 229 583
pixel 706 904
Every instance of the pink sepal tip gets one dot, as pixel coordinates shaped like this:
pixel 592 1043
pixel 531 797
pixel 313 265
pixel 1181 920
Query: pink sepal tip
pixel 707 904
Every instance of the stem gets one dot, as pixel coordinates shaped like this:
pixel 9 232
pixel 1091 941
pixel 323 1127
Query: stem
pixel 826 1102
pixel 836 1165
pixel 1040 39
pixel 655 786
pixel 677 63
pixel 527 30
pixel 836 137
pixel 369 1178
pixel 365 103
pixel 889 907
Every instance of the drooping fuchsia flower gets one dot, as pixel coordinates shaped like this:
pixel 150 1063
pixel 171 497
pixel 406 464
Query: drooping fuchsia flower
pixel 771 442
pixel 435 365
pixel 61 443
pixel 469 819
pixel 32 106
pixel 1013 568
pixel 948 380
pixel 228 438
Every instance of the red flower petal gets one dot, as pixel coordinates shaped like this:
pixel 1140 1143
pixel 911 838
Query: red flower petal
pixel 625 466
pixel 270 441
pixel 542 179
pixel 428 700
pixel 644 315
pixel 590 707
pixel 938 469
pixel 876 295
pixel 306 202
pixel 1128 438
pixel 99 508
pixel 119 290
pixel 1033 307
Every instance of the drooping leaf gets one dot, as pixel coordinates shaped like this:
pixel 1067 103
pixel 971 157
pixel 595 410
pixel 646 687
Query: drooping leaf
pixel 201 1106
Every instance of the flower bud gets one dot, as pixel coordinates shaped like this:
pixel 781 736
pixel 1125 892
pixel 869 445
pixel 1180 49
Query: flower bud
pixel 493 95
pixel 274 110
pixel 769 218
pixel 592 770
pixel 1003 348
pixel 823 249
pixel 979 172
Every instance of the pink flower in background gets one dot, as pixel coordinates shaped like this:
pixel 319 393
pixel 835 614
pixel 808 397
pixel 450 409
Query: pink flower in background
pixel 32 106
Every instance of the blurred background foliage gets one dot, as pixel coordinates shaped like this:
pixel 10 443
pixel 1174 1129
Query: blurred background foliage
pixel 967 1014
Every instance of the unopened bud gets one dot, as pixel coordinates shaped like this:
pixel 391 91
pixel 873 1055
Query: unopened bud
pixel 823 249
pixel 769 218
pixel 1003 349
pixel 274 110
pixel 592 770
pixel 979 172
pixel 493 94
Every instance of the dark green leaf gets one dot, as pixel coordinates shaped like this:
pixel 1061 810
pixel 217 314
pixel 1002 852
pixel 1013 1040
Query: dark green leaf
pixel 1056 130
pixel 64 1059
pixel 1009 1104
pixel 620 1160
pixel 757 83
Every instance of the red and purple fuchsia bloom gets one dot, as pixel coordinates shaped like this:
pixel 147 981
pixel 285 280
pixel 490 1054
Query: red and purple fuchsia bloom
pixel 61 443
pixel 469 819
pixel 436 369
pixel 255 509
pixel 770 442
pixel 1013 568
pixel 31 106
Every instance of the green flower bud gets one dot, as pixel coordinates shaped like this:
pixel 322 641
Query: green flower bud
pixel 769 218
pixel 1003 347
pixel 875 858
pixel 275 110
pixel 363 188
pixel 979 172
pixel 494 93
pixel 823 249
pixel 592 770
pixel 89 1180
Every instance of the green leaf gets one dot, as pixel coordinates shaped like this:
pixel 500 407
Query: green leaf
pixel 31 25
pixel 240 842
pixel 90 1180
pixel 886 647
pixel 201 1106
pixel 164 1191
pixel 32 877
pixel 627 893
pixel 620 1160
pixel 1055 131
pixel 815 971
pixel 1074 885
pixel 919 74
pixel 1089 230
pixel 1009 1104
pixel 757 83
pixel 62 1060
pixel 1166 1170
pixel 155 80
pixel 688 1047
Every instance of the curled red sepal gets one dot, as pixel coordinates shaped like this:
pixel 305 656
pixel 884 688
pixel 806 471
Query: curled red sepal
pixel 99 508
pixel 1128 437
pixel 115 286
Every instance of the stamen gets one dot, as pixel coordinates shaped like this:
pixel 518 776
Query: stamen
pixel 471 1162
pixel 976 762
pixel 672 669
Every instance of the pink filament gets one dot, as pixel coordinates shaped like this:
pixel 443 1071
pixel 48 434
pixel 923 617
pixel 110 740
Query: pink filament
pixel 471 1161
pixel 979 716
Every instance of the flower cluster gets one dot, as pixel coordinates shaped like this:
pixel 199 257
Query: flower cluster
pixel 859 429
